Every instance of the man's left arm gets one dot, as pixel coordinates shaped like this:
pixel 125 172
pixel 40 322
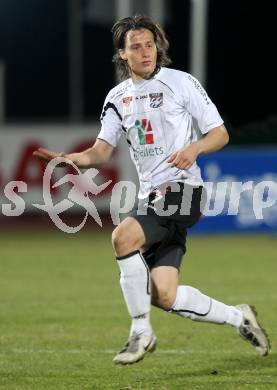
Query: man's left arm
pixel 213 141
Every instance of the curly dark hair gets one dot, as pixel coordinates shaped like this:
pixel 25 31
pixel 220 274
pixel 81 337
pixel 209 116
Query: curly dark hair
pixel 120 29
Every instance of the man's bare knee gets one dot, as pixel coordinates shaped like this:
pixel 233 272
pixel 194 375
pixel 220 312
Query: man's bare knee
pixel 121 242
pixel 163 299
pixel 127 237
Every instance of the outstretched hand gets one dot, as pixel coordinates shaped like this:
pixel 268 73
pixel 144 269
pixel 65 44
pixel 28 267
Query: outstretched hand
pixel 48 155
pixel 185 157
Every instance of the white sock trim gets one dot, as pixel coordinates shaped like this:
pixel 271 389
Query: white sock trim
pixel 141 324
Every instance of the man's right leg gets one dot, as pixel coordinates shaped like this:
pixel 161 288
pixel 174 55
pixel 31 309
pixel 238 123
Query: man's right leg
pixel 127 240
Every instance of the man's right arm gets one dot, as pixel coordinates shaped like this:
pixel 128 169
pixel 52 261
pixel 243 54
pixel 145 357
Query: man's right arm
pixel 97 155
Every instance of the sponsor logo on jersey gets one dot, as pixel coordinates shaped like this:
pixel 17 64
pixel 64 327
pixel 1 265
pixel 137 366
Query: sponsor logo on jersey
pixel 199 88
pixel 127 100
pixel 141 97
pixel 128 105
pixel 145 132
pixel 146 137
pixel 156 100
pixel 148 152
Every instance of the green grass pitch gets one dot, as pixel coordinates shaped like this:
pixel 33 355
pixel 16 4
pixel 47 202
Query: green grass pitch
pixel 62 316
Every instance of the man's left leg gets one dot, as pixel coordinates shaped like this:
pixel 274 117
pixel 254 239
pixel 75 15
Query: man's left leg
pixel 189 302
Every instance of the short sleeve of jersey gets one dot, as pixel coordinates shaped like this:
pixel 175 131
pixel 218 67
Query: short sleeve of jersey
pixel 199 105
pixel 111 123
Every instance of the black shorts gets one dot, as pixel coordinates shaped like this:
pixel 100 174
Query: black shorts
pixel 165 217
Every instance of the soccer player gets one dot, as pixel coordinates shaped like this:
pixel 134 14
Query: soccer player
pixel 154 108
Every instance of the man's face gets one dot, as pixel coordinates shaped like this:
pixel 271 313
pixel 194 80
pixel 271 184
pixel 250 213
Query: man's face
pixel 140 52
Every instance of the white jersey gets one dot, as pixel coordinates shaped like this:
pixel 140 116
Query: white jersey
pixel 156 117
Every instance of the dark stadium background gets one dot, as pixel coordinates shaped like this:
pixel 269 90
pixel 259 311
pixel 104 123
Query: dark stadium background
pixel 241 62
pixel 38 52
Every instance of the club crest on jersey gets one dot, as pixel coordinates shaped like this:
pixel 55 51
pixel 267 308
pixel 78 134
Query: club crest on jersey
pixel 156 100
pixel 127 105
